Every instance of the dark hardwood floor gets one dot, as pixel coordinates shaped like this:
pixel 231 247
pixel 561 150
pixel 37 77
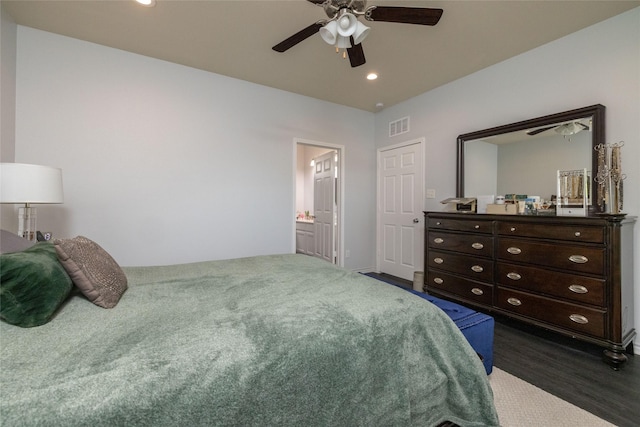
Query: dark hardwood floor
pixel 570 369
pixel 567 368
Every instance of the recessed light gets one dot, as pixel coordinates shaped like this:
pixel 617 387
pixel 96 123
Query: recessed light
pixel 147 3
pixel 372 76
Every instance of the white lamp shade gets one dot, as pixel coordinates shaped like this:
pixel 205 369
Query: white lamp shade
pixel 329 32
pixel 361 33
pixel 23 183
pixel 347 24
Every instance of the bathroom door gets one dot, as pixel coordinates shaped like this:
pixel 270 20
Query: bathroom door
pixel 400 205
pixel 324 204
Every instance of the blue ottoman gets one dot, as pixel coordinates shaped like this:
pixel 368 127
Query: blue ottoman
pixel 476 327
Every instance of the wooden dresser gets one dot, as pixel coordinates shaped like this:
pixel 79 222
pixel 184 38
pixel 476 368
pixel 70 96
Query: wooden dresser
pixel 572 275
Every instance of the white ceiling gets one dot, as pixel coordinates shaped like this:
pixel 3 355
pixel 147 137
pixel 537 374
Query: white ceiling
pixel 234 38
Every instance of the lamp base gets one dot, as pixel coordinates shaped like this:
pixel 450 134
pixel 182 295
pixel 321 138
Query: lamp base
pixel 27 222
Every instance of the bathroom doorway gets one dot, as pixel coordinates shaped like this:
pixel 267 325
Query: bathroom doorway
pixel 318 200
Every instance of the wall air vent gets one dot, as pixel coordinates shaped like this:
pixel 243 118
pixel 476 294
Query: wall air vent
pixel 399 126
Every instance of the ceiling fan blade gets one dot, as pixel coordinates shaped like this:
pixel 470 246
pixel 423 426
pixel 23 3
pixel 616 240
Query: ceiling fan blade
pixel 537 131
pixel 318 2
pixel 298 37
pixel 404 15
pixel 356 54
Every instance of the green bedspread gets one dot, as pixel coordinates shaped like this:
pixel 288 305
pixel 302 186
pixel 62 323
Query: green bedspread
pixel 283 340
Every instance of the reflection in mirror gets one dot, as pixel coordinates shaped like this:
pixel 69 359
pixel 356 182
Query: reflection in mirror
pixel 517 163
pixel 524 157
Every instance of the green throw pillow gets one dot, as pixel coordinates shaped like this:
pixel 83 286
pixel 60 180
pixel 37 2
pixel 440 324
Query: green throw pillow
pixel 33 285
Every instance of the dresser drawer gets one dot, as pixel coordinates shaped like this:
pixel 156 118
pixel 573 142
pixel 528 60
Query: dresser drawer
pixel 470 290
pixel 574 233
pixel 582 289
pixel 474 244
pixel 475 268
pixel 474 225
pixel 566 315
pixel 583 259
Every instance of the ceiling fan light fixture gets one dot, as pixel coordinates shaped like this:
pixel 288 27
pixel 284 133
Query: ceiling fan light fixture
pixel 569 128
pixel 343 42
pixel 329 32
pixel 361 33
pixel 347 24
pixel 343 30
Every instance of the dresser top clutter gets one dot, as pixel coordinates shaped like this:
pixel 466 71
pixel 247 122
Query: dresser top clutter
pixel 536 230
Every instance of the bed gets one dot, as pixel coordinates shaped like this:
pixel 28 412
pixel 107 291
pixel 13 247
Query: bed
pixel 278 340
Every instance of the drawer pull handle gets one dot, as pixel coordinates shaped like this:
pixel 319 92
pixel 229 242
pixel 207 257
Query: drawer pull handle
pixel 438 223
pixel 477 268
pixel 578 259
pixel 577 234
pixel 578 289
pixel 476 226
pixel 514 251
pixel 438 240
pixel 512 229
pixel 438 260
pixel 579 318
pixel 477 245
pixel 514 301
pixel 477 291
pixel 438 280
pixel 514 276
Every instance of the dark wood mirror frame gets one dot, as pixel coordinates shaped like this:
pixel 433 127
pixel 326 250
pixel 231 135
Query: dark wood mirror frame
pixel 598 136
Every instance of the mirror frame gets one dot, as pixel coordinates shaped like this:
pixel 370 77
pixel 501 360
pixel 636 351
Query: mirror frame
pixel 597 131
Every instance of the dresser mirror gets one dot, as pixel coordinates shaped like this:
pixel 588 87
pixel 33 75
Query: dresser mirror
pixel 524 157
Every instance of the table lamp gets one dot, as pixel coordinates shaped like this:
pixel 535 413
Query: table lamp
pixel 29 184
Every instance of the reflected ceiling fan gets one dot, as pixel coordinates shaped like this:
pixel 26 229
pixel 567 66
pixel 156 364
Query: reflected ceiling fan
pixel 344 31
pixel 570 128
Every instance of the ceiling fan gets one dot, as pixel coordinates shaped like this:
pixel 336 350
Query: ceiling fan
pixel 344 31
pixel 570 128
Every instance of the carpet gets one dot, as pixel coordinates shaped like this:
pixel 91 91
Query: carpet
pixel 520 404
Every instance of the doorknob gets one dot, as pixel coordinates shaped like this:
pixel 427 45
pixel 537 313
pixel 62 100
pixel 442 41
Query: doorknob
pixel 416 220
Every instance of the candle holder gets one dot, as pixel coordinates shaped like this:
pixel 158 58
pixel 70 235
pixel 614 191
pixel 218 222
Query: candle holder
pixel 609 178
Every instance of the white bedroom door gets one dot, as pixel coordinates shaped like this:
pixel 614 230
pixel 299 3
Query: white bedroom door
pixel 324 205
pixel 400 205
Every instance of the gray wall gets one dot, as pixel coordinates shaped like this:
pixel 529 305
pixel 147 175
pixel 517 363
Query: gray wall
pixel 529 167
pixel 164 164
pixel 8 30
pixel 481 169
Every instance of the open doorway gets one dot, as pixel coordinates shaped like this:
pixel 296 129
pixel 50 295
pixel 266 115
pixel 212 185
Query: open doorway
pixel 319 199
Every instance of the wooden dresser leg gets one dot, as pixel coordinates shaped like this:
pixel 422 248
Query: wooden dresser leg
pixel 614 358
